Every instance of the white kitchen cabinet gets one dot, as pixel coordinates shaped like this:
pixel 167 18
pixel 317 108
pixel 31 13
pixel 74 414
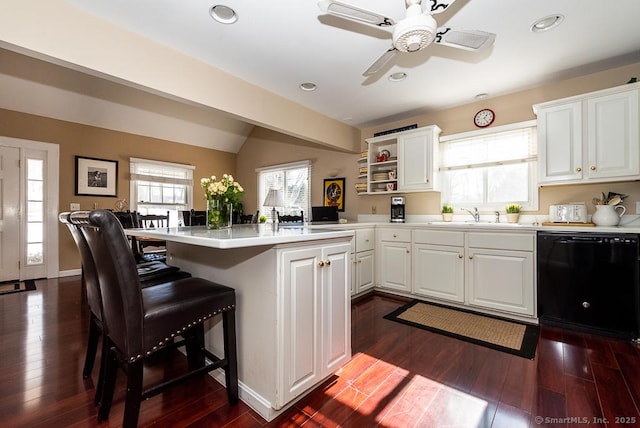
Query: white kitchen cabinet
pixel 363 261
pixel 393 255
pixel 315 335
pixel 500 272
pixel 412 156
pixel 438 264
pixel 417 159
pixel 594 137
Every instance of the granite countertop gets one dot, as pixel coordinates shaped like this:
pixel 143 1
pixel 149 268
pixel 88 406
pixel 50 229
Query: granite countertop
pixel 241 235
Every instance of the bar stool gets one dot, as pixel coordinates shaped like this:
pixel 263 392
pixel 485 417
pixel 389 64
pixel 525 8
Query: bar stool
pixel 138 321
pixel 150 273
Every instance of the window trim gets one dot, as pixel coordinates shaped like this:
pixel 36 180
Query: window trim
pixel 134 177
pixel 533 191
pixel 281 167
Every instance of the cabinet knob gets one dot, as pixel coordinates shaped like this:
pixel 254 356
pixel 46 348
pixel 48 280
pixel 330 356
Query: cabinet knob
pixel 460 256
pixel 407 251
pixel 578 169
pixel 470 257
pixel 321 263
pixel 395 236
pixel 327 262
pixel 586 305
pixel 593 168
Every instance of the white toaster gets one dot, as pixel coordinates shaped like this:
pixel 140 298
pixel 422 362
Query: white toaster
pixel 568 213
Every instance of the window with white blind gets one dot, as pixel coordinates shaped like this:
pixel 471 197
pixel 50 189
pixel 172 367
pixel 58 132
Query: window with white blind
pixel 489 169
pixel 293 179
pixel 158 187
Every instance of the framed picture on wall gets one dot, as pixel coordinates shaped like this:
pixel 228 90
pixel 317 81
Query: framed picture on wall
pixel 334 193
pixel 96 177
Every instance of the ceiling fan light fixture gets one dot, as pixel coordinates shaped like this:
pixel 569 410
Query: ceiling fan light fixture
pixel 308 86
pixel 223 14
pixel 547 23
pixel 414 33
pixel 397 77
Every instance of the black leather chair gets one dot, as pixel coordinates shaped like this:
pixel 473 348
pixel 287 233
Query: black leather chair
pixel 138 322
pixel 150 273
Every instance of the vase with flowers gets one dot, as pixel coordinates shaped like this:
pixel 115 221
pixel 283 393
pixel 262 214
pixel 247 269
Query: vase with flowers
pixel 222 195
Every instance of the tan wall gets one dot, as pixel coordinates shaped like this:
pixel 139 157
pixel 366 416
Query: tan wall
pixel 266 148
pixel 75 139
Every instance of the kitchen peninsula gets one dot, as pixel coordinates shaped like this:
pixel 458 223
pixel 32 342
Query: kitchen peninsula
pixel 293 302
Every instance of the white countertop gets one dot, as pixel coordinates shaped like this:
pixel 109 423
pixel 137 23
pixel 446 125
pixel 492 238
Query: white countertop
pixel 240 235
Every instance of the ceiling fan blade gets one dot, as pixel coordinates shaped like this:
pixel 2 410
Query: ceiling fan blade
pixel 470 40
pixel 436 6
pixel 344 10
pixel 380 62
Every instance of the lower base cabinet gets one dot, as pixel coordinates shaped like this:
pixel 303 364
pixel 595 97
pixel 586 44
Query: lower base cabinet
pixel 493 271
pixel 315 335
pixel 363 271
pixel 393 255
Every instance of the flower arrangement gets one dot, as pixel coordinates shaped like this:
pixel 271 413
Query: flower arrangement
pixel 513 208
pixel 222 195
pixel 447 209
pixel 226 190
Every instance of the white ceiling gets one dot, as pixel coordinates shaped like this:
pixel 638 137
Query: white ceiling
pixel 279 44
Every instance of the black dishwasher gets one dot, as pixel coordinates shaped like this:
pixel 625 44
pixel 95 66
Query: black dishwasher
pixel 590 281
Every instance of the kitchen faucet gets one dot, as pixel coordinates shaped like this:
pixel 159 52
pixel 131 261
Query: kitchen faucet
pixel 474 213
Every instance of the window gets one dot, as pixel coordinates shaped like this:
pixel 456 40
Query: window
pixel 489 169
pixel 35 211
pixel 293 179
pixel 158 187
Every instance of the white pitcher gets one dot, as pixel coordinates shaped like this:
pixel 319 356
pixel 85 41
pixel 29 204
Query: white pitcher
pixel 607 215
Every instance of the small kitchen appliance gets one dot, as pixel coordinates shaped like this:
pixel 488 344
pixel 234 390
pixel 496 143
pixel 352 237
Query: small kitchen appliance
pixel 568 213
pixel 397 209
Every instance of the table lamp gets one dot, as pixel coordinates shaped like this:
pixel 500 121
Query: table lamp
pixel 274 199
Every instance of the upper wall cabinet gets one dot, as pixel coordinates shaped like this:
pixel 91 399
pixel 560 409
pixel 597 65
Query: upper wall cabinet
pixel 593 137
pixel 403 162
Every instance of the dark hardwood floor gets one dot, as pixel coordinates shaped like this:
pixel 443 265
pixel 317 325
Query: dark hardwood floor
pixel 399 377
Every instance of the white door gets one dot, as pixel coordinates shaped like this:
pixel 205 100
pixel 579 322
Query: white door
pixel 10 248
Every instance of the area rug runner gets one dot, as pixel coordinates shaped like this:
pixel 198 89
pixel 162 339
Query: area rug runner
pixel 507 336
pixel 17 286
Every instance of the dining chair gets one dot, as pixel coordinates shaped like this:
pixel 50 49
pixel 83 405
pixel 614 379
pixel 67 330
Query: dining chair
pixel 291 218
pixel 151 248
pixel 138 322
pixel 150 273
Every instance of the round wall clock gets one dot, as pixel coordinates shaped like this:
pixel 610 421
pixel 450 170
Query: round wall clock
pixel 484 118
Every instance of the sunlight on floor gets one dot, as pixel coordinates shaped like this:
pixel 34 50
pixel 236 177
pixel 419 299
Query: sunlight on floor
pixel 34 357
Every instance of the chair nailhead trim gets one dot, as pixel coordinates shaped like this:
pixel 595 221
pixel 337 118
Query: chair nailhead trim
pixel 177 333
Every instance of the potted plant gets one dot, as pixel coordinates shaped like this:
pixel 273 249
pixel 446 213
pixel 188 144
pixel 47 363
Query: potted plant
pixel 447 213
pixel 513 213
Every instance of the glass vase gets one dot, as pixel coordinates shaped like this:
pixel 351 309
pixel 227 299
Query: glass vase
pixel 218 214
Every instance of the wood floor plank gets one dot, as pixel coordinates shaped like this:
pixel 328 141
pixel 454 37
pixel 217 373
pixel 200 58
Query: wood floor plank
pixel 614 405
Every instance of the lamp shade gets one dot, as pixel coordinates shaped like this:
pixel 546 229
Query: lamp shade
pixel 274 198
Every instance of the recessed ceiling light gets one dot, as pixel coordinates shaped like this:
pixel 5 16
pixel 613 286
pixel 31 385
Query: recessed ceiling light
pixel 308 86
pixel 397 77
pixel 481 96
pixel 547 23
pixel 223 14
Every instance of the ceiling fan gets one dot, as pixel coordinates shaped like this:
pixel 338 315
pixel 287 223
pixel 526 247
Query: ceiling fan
pixel 413 33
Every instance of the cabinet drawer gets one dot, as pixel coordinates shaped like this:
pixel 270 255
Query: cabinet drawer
pixel 502 241
pixel 438 237
pixel 365 239
pixel 394 235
